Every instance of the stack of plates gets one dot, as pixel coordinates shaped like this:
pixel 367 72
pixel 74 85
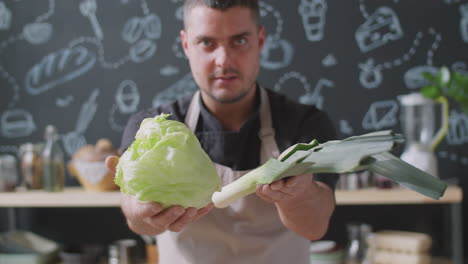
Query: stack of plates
pixel 22 247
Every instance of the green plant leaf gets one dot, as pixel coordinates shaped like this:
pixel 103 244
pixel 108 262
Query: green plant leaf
pixel 430 77
pixel 431 91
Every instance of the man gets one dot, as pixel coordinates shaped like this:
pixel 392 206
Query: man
pixel 240 125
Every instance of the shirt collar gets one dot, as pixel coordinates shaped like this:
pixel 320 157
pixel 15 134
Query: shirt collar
pixel 211 123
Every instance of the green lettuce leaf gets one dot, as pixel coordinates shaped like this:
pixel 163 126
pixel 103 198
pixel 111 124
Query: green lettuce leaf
pixel 166 164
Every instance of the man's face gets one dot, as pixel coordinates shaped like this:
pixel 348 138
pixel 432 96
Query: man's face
pixel 223 48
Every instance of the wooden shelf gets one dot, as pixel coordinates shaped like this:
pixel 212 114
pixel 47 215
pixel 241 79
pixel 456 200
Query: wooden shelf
pixel 78 197
pixel 372 196
pixel 71 197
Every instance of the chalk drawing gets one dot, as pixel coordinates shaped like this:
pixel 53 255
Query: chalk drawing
pixel 58 68
pixel 460 66
pixel 149 26
pixel 309 97
pixel 183 87
pixel 144 7
pixel 379 29
pixel 179 13
pixel 281 48
pixel 15 123
pixel 370 76
pixel 371 73
pixel 313 13
pixel 345 127
pixel 381 114
pixel 5 17
pixel 453 157
pixel 12 84
pixel 464 161
pixel 101 58
pixel 458 129
pixel 37 33
pixel 117 119
pixel 304 83
pixel 152 26
pixel 464 22
pixel 443 154
pixel 88 9
pixel 329 61
pixel 138 31
pixel 169 70
pixel 268 12
pixel 142 50
pixel 177 48
pixel 50 12
pixel 133 30
pixel 66 101
pixel 413 77
pixel 127 97
pixel 315 97
pixel 274 46
pixel 74 140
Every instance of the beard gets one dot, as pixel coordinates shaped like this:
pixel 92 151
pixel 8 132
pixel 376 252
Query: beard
pixel 242 93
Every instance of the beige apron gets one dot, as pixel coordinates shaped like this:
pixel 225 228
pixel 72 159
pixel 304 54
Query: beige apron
pixel 248 231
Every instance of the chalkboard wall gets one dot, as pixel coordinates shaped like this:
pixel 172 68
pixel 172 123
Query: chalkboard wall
pixel 86 66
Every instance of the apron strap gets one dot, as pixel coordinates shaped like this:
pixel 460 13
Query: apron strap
pixel 266 134
pixel 193 112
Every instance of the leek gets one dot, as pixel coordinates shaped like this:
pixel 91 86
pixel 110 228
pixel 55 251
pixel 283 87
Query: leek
pixel 368 151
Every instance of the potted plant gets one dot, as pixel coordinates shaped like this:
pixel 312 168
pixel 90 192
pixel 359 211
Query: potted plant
pixel 418 116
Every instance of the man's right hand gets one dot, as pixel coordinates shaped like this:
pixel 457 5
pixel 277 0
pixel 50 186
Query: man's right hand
pixel 150 218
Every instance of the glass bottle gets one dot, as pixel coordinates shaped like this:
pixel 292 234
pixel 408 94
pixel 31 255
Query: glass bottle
pixel 53 162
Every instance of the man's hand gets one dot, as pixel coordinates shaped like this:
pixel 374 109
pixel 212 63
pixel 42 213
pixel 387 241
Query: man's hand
pixel 287 190
pixel 150 218
pixel 305 206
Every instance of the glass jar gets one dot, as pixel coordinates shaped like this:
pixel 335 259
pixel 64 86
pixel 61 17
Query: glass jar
pixel 31 167
pixel 8 173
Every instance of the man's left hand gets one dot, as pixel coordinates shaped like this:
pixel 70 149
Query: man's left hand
pixel 286 190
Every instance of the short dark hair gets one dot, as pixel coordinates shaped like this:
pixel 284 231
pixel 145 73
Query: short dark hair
pixel 224 5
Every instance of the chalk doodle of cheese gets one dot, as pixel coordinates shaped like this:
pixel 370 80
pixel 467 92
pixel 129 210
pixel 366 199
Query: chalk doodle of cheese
pixel 464 22
pixel 5 17
pixel 381 114
pixel 313 13
pixel 127 97
pixel 183 87
pixel 16 123
pixel 58 68
pixel 414 79
pixel 379 29
pixel 37 33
